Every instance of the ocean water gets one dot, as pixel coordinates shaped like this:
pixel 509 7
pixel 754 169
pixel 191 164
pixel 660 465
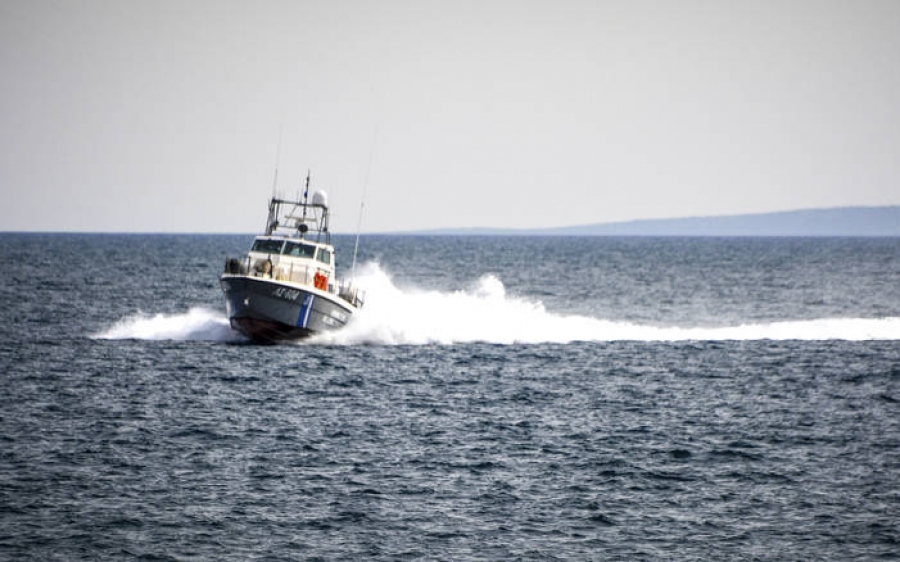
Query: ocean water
pixel 497 399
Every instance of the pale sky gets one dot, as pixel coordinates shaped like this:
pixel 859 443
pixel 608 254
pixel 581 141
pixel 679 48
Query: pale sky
pixel 160 116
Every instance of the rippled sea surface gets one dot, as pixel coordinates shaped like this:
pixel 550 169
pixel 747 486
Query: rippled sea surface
pixel 497 399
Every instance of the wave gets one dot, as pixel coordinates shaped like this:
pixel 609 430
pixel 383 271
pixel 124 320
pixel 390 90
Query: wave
pixel 484 312
pixel 197 324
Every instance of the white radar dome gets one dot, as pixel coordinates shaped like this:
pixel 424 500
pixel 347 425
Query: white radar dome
pixel 320 198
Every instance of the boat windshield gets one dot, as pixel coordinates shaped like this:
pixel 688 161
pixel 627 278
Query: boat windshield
pixel 267 246
pixel 299 250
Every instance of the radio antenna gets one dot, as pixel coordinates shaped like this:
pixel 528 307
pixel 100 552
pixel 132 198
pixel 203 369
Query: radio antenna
pixel 277 161
pixel 362 203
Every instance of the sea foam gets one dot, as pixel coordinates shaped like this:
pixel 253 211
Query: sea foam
pixel 197 324
pixel 484 312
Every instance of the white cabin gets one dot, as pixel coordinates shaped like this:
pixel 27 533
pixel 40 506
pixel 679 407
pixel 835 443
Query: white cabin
pixel 293 260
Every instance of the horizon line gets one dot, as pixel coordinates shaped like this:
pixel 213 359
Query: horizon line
pixel 535 231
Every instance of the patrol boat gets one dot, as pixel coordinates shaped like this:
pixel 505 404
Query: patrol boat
pixel 286 287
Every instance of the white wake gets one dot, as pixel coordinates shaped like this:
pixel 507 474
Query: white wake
pixel 484 312
pixel 197 324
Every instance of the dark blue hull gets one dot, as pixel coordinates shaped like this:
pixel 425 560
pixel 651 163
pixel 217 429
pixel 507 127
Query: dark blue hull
pixel 269 311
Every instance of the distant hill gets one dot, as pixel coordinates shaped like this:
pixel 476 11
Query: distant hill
pixel 844 221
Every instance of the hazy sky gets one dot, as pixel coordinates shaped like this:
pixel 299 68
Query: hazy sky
pixel 165 116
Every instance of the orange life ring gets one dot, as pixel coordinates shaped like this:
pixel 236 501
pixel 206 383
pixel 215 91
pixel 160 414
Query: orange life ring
pixel 320 281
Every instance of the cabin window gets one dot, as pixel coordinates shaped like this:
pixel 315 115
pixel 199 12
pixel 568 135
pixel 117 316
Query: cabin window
pixel 299 250
pixel 324 256
pixel 266 246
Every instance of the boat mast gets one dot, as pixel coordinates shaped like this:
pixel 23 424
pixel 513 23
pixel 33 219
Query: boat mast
pixel 305 198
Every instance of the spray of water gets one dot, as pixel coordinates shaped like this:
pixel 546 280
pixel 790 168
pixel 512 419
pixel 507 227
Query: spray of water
pixel 484 312
pixel 197 324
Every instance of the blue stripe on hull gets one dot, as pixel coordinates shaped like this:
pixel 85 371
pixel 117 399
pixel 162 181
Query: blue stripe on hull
pixel 303 318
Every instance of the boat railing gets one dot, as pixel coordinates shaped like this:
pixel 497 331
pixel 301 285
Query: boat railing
pixel 303 274
pixel 350 292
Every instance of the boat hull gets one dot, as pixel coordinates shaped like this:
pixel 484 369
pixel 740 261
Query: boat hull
pixel 268 311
